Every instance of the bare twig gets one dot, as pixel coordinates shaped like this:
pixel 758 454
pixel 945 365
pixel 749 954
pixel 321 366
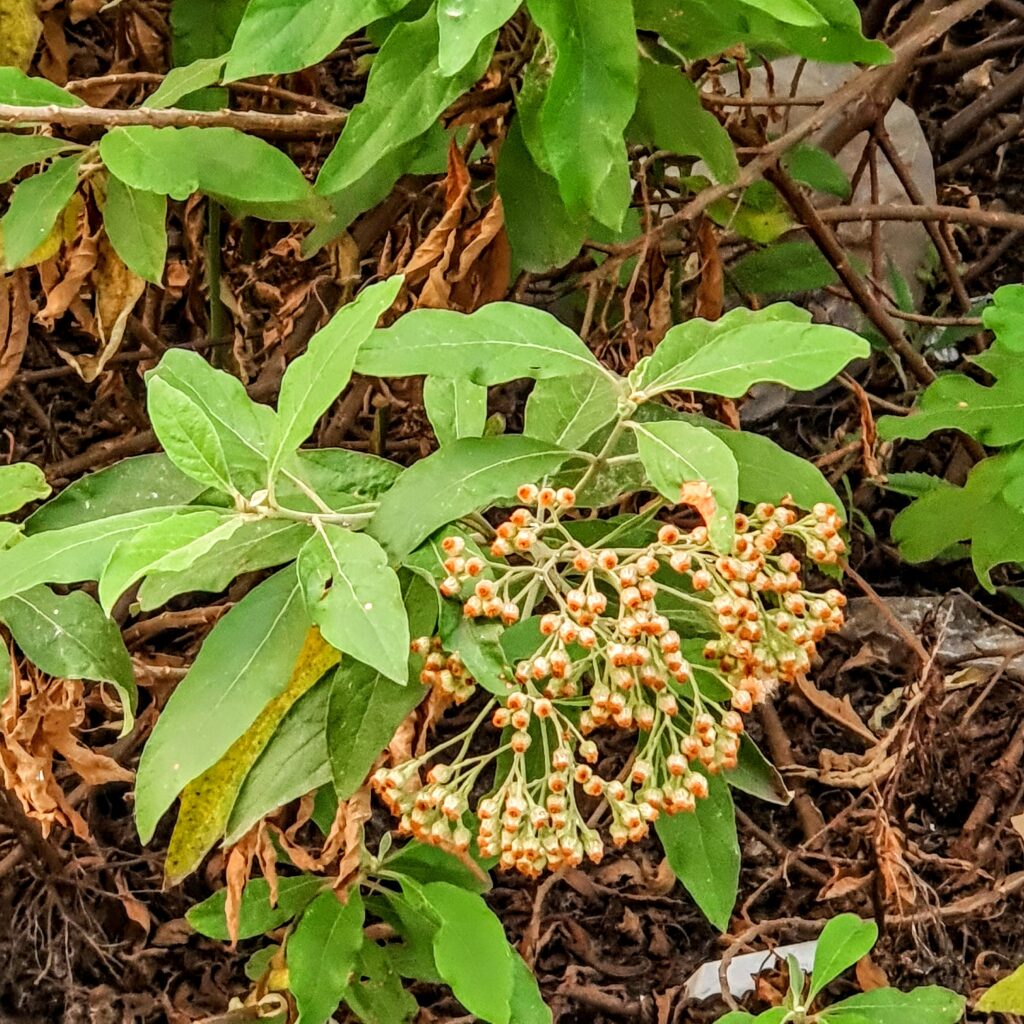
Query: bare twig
pixel 934 214
pixel 302 124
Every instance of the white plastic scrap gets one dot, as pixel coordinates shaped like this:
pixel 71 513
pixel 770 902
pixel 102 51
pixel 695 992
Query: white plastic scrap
pixel 742 970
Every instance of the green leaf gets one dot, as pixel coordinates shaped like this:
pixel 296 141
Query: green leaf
pixel 18 151
pixel 425 864
pixel 541 231
pixel 1005 996
pixel 927 1005
pixel 337 469
pixel 703 851
pixel 313 381
pixel 362 612
pixel 569 410
pixel 760 213
pixel 678 453
pixel 135 222
pixel 70 637
pixel 734 358
pixel 18 89
pixel 405 95
pixel 188 436
pixel 293 763
pixel 471 951
pixel 251 545
pixel 278 36
pixel 818 169
pixel 501 341
pixel 182 81
pixel 1005 317
pixel 978 512
pixel 782 268
pixel 256 915
pixel 463 26
pixel 670 116
pixel 914 484
pixel 35 206
pixel 458 479
pixel 478 644
pixel 133 484
pixel 72 554
pixel 322 952
pixel 844 940
pixel 756 775
pixel 456 407
pixel 992 414
pixel 21 483
pixel 364 709
pixel 171 545
pixel 376 994
pixel 243 427
pixel 177 162
pixel 591 95
pixel 245 661
pixel 793 12
pixel 527 1004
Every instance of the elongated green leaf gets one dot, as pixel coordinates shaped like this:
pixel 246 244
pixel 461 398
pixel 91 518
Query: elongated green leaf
pixel 926 1005
pixel 329 470
pixel 456 407
pixel 168 546
pixel 188 436
pixel 782 268
pixel 703 851
pixel 570 410
pixel 70 637
pixel 675 454
pixel 244 663
pixel 527 1005
pixel 793 12
pixel 313 381
pixel 291 765
pixel 456 480
pixel 1005 317
pixel 542 232
pixel 362 612
pixel 591 95
pixel 18 151
pixel 801 356
pixel 20 90
pixel 472 953
pixel 256 915
pixel 207 800
pixel 253 544
pixel 425 864
pixel 843 942
pixel 243 427
pixel 463 25
pixel 35 207
pixel 278 36
pixel 813 166
pixel 135 223
pixel 364 710
pixel 177 162
pixel 133 484
pixel 322 953
pixel 21 483
pixel 478 644
pixel 669 116
pixel 72 554
pixel 181 81
pixel 499 342
pixel 405 95
pixel 756 775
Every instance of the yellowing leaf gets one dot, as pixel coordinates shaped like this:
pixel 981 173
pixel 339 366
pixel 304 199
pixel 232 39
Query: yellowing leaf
pixel 20 29
pixel 1005 996
pixel 206 802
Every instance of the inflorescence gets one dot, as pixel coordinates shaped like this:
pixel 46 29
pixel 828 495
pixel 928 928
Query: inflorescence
pixel 609 656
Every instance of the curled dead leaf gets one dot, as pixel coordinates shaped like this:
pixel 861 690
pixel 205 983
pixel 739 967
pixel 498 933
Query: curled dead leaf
pixel 14 320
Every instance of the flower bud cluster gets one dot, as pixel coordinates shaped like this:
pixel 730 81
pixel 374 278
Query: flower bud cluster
pixel 610 654
pixel 443 671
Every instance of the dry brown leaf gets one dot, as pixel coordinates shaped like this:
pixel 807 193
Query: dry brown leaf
pixel 839 710
pixel 53 61
pixel 74 269
pixel 842 885
pixel 14 320
pixel 870 976
pixel 659 315
pixel 898 882
pixel 711 290
pixel 355 813
pixel 237 871
pixel 133 908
